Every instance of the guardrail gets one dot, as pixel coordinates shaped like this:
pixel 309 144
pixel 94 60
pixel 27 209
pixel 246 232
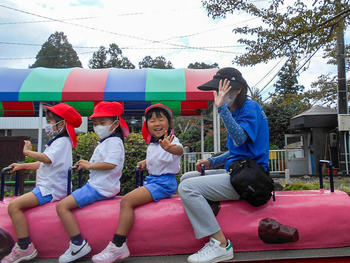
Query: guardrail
pixel 277 160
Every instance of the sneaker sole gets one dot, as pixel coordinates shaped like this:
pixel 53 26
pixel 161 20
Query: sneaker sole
pixel 110 261
pixel 227 258
pixel 33 255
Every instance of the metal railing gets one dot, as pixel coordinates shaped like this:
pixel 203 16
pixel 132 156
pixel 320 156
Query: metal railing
pixel 277 160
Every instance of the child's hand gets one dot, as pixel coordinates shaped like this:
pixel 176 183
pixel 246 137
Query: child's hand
pixel 142 164
pixel 166 142
pixel 83 164
pixel 27 146
pixel 16 167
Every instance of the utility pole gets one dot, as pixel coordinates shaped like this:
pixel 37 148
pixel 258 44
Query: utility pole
pixel 342 92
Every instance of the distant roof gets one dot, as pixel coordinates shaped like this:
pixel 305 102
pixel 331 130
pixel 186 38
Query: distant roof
pixel 315 117
pixel 317 110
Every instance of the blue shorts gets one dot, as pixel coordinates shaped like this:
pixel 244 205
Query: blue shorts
pixel 87 195
pixel 162 186
pixel 42 199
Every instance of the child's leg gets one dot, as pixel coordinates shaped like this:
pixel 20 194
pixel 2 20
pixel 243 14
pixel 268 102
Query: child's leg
pixel 18 218
pixel 131 200
pixel 63 209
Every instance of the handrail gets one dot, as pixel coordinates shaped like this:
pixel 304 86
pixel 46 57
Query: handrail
pixel 71 169
pixel 138 177
pixel 331 181
pixel 3 172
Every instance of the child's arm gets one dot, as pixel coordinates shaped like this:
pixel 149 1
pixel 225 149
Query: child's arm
pixel 24 166
pixel 94 166
pixel 41 157
pixel 171 148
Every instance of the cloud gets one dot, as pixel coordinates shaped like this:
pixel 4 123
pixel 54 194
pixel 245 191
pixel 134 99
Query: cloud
pixel 140 28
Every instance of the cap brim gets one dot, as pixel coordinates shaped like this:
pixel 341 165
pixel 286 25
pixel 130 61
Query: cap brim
pixel 214 85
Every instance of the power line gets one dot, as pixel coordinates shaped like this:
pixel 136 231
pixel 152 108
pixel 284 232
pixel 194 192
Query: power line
pixel 297 71
pixel 115 33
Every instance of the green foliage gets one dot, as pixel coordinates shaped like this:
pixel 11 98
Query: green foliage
pixel 158 62
pixel 84 150
pixel 202 65
pixel 279 112
pixel 57 52
pixel 29 160
pixel 135 151
pixel 301 185
pixel 289 29
pixel 110 58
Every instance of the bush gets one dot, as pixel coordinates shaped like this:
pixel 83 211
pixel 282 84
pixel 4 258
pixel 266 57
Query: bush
pixel 135 150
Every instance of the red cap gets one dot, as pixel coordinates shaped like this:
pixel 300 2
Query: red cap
pixel 111 109
pixel 145 132
pixel 71 116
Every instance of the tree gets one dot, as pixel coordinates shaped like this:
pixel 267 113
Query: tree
pixel 158 62
pixel 288 81
pixel 202 65
pixel 57 52
pixel 110 58
pixel 297 30
pixel 279 111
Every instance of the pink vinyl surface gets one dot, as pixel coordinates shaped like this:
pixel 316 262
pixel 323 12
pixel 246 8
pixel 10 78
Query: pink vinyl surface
pixel 322 219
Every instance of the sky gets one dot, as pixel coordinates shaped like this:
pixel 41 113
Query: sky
pixel 180 30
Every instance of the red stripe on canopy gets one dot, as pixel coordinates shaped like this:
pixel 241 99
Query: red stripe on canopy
pixel 16 108
pixel 194 105
pixel 195 78
pixel 85 85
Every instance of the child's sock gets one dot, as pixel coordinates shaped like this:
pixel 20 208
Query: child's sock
pixel 119 240
pixel 77 240
pixel 24 242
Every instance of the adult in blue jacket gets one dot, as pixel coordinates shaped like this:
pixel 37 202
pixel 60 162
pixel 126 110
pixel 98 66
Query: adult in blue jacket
pixel 247 138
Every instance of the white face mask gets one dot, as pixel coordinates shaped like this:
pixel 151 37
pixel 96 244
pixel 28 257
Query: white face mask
pixel 228 101
pixel 103 131
pixel 50 131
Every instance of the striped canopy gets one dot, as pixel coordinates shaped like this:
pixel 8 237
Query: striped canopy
pixel 21 90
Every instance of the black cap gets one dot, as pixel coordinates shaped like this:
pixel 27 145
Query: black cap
pixel 236 80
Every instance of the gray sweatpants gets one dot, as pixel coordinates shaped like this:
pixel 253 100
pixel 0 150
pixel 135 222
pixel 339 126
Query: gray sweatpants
pixel 194 189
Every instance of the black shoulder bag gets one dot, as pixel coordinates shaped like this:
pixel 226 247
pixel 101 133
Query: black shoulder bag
pixel 251 182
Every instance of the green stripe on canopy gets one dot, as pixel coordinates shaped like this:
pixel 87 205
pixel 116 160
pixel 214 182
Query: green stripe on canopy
pixel 165 84
pixel 85 108
pixel 175 106
pixel 1 110
pixel 44 84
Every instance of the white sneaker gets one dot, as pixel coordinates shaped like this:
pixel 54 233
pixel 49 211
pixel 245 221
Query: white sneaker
pixel 111 253
pixel 212 252
pixel 74 252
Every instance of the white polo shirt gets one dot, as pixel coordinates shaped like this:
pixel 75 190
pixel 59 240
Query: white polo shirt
pixel 52 178
pixel 106 182
pixel 159 161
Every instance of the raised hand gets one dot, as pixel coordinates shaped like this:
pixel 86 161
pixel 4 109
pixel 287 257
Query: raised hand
pixel 166 142
pixel 224 89
pixel 27 146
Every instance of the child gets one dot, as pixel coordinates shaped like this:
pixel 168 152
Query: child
pixel 51 177
pixel 105 165
pixel 163 163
